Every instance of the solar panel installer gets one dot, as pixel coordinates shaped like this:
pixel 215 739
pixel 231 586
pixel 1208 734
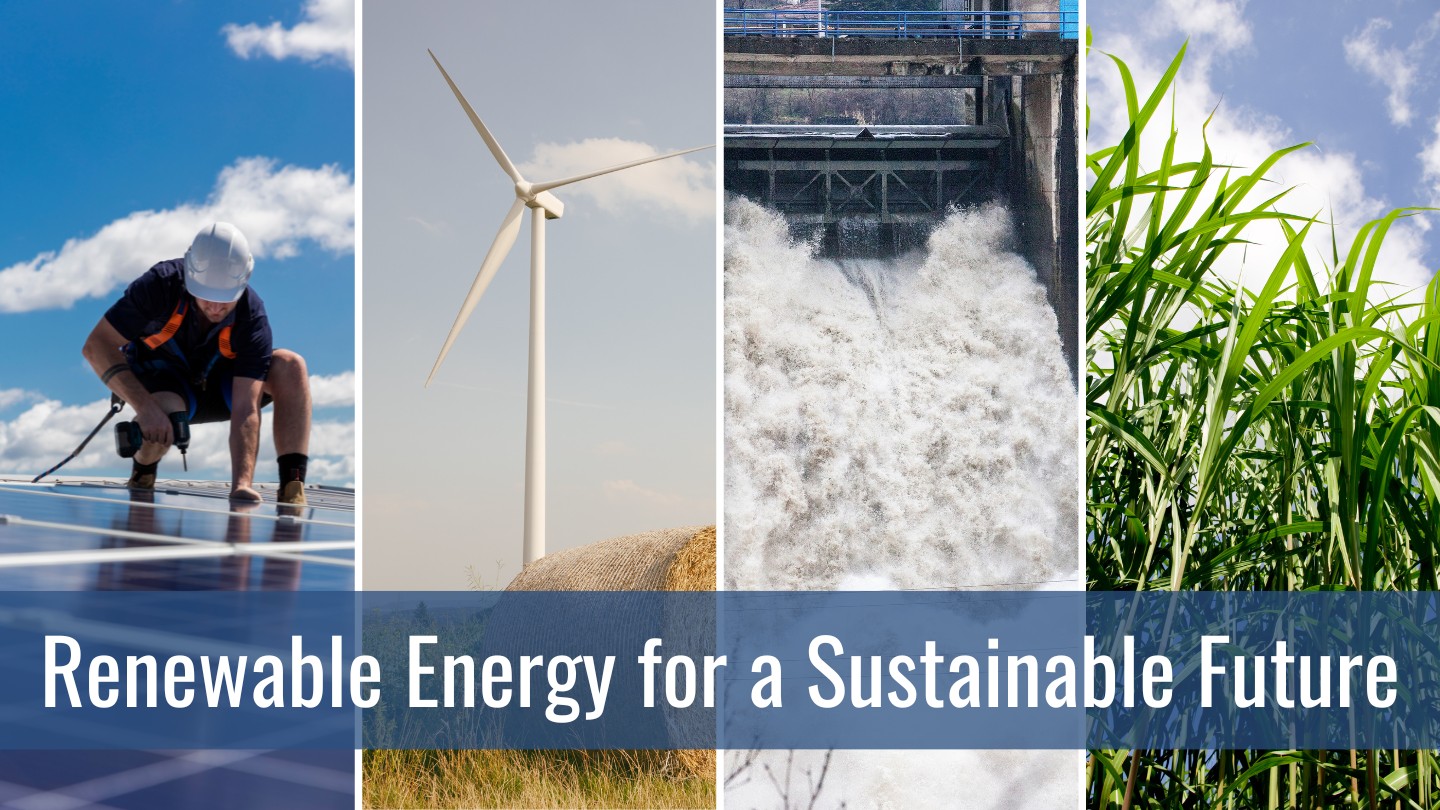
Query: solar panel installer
pixel 190 337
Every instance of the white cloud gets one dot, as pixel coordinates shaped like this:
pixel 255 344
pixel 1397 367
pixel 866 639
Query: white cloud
pixel 1217 27
pixel 326 31
pixel 682 185
pixel 332 391
pixel 1388 66
pixel 48 430
pixel 627 491
pixel 276 209
pixel 1430 162
pixel 332 453
pixel 1401 71
pixel 1325 182
pixel 14 396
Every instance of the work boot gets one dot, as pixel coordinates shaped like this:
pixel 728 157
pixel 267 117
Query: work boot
pixel 142 476
pixel 292 492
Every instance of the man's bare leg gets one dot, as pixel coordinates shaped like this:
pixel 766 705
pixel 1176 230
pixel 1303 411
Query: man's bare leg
pixel 288 384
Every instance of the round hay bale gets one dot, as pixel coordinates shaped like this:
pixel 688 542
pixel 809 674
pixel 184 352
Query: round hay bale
pixel 693 566
pixel 681 559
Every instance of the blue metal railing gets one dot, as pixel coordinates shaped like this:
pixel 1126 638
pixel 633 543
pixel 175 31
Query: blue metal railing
pixel 1069 19
pixel 1065 23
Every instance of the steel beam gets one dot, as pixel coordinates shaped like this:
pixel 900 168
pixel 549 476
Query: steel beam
pixel 917 165
pixel 954 80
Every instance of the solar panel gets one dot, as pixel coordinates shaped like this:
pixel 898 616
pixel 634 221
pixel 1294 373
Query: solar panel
pixel 216 780
pixel 101 536
pixel 96 535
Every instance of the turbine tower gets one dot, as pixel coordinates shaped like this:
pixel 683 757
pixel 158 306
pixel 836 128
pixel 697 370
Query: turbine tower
pixel 543 205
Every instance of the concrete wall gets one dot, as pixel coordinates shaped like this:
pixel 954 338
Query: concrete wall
pixel 1044 161
pixel 1050 6
pixel 1000 5
pixel 1045 189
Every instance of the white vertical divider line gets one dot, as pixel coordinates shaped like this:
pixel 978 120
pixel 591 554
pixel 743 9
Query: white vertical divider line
pixel 719 80
pixel 357 769
pixel 358 337
pixel 1080 379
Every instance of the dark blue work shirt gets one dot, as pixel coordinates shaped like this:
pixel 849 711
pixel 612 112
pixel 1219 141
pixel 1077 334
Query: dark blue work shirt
pixel 151 299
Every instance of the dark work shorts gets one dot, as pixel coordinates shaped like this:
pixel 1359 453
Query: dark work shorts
pixel 208 403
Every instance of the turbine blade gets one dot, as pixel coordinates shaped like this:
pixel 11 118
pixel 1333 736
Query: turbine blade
pixel 500 156
pixel 538 187
pixel 504 240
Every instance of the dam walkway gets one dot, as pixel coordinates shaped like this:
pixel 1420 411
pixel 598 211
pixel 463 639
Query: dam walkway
pixel 1063 23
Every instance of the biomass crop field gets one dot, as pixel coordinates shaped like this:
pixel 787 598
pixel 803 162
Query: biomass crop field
pixel 1283 434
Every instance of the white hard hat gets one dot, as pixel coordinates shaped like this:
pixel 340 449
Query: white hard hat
pixel 218 264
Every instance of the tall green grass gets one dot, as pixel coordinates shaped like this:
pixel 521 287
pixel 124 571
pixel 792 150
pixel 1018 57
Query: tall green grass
pixel 1282 435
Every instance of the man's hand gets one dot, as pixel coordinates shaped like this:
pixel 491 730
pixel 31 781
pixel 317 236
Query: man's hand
pixel 244 493
pixel 155 425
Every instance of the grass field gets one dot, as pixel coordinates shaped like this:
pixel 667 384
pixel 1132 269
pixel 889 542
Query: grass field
pixel 525 779
pixel 1280 436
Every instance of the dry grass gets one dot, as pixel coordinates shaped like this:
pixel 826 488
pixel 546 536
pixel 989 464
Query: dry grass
pixel 526 779
pixel 672 560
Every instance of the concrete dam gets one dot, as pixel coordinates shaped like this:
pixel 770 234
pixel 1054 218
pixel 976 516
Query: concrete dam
pixel 996 91
pixel 899 392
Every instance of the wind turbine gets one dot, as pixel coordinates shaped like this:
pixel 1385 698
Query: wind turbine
pixel 543 205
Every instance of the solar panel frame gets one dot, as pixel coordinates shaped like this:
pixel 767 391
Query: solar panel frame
pixel 268 546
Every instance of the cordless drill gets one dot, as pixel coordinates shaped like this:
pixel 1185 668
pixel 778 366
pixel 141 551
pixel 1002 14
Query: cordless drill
pixel 128 437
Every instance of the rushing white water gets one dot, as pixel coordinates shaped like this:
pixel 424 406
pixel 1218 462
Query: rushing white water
pixel 895 424
pixel 911 420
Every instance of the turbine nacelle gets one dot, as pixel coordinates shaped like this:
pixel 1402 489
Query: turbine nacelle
pixel 554 209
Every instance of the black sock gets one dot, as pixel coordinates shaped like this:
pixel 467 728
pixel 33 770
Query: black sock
pixel 144 469
pixel 292 467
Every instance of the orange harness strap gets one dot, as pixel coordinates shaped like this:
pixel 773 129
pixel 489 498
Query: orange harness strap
pixel 172 326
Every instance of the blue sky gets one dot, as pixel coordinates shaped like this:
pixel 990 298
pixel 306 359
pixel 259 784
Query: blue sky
pixel 1357 79
pixel 127 126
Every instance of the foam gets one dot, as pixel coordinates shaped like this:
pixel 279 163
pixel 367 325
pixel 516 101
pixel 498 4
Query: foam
pixel 902 424
pixel 911 421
